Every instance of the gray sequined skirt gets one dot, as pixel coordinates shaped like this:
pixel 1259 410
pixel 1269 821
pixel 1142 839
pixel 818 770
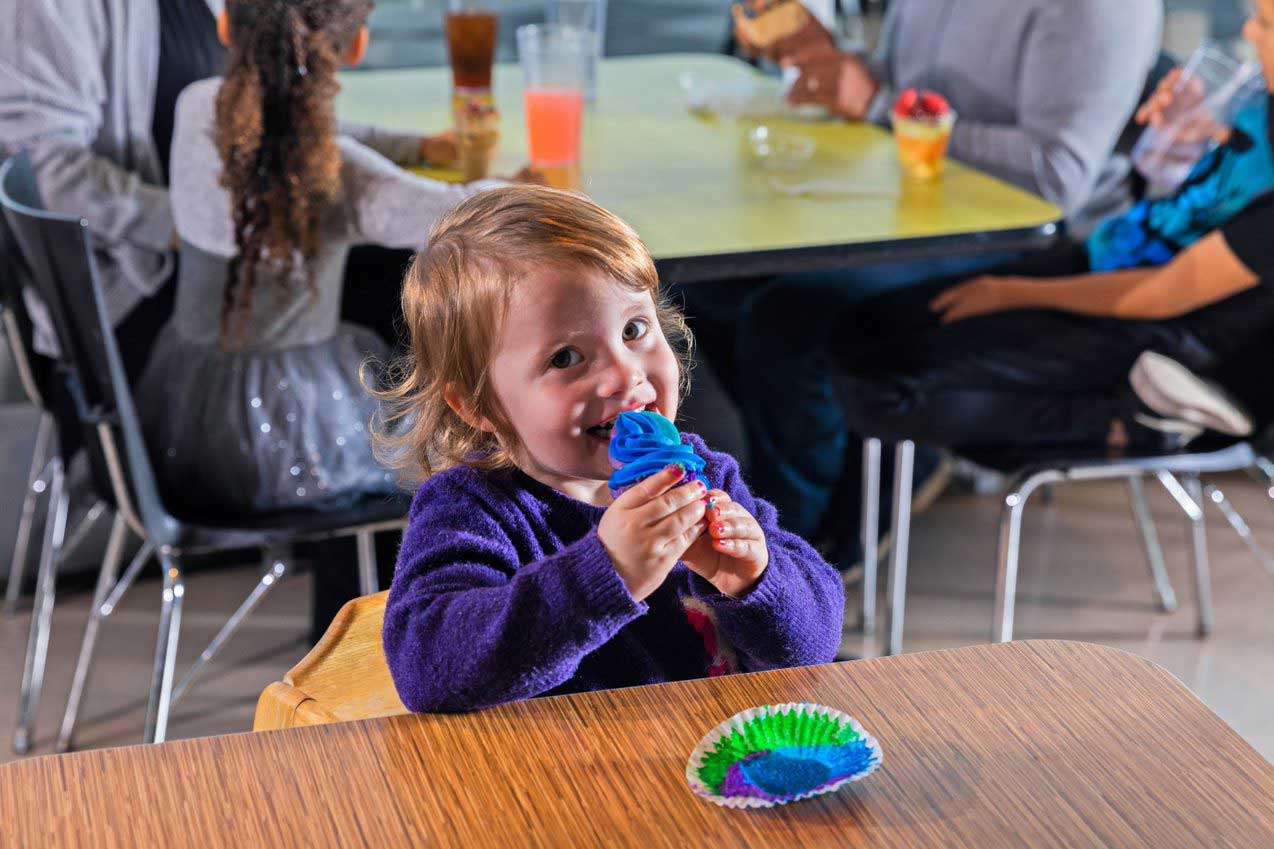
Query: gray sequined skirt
pixel 262 430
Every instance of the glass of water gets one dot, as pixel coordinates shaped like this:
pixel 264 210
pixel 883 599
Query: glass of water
pixel 588 16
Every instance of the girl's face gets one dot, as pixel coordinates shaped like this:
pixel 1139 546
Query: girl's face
pixel 576 350
pixel 1259 32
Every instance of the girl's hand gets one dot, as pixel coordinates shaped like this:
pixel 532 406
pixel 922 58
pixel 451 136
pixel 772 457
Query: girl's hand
pixel 440 151
pixel 980 296
pixel 732 555
pixel 647 529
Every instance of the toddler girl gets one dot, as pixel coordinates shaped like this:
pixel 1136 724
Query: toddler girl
pixel 536 319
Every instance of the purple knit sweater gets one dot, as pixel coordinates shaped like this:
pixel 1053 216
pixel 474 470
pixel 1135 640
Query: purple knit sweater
pixel 503 592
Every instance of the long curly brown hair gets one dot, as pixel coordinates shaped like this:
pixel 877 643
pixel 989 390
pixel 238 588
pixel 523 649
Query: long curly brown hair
pixel 276 135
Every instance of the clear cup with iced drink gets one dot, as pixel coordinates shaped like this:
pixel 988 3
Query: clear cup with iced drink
pixel 1206 95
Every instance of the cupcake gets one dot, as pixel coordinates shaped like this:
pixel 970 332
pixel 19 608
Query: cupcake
pixel 645 443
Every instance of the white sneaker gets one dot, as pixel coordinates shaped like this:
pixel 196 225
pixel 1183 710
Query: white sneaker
pixel 1187 402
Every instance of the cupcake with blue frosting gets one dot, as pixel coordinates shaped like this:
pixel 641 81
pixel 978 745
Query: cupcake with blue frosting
pixel 645 443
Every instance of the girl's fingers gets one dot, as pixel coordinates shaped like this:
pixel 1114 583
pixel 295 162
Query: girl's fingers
pixel 690 534
pixel 735 529
pixel 740 549
pixel 673 501
pixel 734 522
pixel 649 489
pixel 674 525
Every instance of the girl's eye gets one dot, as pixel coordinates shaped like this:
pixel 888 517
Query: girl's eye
pixel 565 358
pixel 635 329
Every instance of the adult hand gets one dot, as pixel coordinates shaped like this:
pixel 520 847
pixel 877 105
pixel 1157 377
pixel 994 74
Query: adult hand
pixel 648 528
pixel 732 556
pixel 1170 99
pixel 837 81
pixel 980 296
pixel 440 151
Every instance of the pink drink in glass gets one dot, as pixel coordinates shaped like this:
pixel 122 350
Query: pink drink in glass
pixel 553 120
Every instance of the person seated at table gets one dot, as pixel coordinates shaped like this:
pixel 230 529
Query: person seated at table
pixel 1006 360
pixel 253 400
pixel 535 319
pixel 89 88
pixel 1042 90
pixel 786 389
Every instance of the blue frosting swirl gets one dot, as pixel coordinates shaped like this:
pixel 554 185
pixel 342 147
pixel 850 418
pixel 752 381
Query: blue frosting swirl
pixel 644 444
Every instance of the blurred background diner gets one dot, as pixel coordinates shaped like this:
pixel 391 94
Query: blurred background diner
pixel 823 369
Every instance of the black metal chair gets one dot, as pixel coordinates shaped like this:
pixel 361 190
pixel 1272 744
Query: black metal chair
pixel 57 442
pixel 58 250
pixel 1028 472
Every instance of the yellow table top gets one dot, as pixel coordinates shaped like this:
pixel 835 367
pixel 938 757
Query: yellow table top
pixel 691 186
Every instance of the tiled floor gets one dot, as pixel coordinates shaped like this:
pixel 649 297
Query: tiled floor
pixel 1082 578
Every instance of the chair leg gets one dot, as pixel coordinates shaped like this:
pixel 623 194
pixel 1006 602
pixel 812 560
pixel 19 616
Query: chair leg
pixel 1190 499
pixel 1167 599
pixel 276 566
pixel 81 531
pixel 161 683
pixel 1216 496
pixel 869 530
pixel 368 581
pixel 42 613
pixel 1199 554
pixel 1263 470
pixel 105 583
pixel 140 559
pixel 36 483
pixel 904 462
pixel 1010 547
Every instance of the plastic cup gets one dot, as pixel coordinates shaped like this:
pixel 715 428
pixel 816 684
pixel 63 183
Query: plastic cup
pixel 471 27
pixel 1211 87
pixel 922 144
pixel 588 16
pixel 554 58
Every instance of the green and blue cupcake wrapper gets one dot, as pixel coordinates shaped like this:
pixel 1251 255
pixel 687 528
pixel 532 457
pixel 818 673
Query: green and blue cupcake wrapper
pixel 775 754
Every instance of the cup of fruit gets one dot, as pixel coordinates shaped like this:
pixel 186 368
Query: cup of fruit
pixel 922 128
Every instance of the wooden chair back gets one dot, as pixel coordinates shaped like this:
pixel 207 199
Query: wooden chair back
pixel 344 677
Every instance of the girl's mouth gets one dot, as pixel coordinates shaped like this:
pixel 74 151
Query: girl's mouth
pixel 604 430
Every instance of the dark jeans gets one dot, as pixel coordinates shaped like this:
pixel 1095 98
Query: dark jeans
pixel 1019 379
pixel 797 431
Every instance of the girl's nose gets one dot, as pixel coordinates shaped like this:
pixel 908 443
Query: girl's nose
pixel 622 376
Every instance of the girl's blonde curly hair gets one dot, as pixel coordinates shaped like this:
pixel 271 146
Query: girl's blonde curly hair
pixel 454 299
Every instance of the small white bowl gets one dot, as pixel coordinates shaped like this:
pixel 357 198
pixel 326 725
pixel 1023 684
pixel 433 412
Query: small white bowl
pixel 779 148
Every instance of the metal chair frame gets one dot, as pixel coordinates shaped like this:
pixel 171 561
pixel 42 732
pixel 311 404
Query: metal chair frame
pixel 128 471
pixel 1192 496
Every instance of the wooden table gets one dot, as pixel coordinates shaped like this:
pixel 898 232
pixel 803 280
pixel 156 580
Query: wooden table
pixel 1018 745
pixel 692 189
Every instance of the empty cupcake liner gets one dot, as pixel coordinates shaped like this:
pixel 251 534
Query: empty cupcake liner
pixel 775 754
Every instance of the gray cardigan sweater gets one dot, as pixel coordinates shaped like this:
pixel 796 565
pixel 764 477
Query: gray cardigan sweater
pixel 1042 88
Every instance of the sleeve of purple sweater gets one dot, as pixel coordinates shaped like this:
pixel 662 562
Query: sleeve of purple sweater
pixel 794 614
pixel 467 627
